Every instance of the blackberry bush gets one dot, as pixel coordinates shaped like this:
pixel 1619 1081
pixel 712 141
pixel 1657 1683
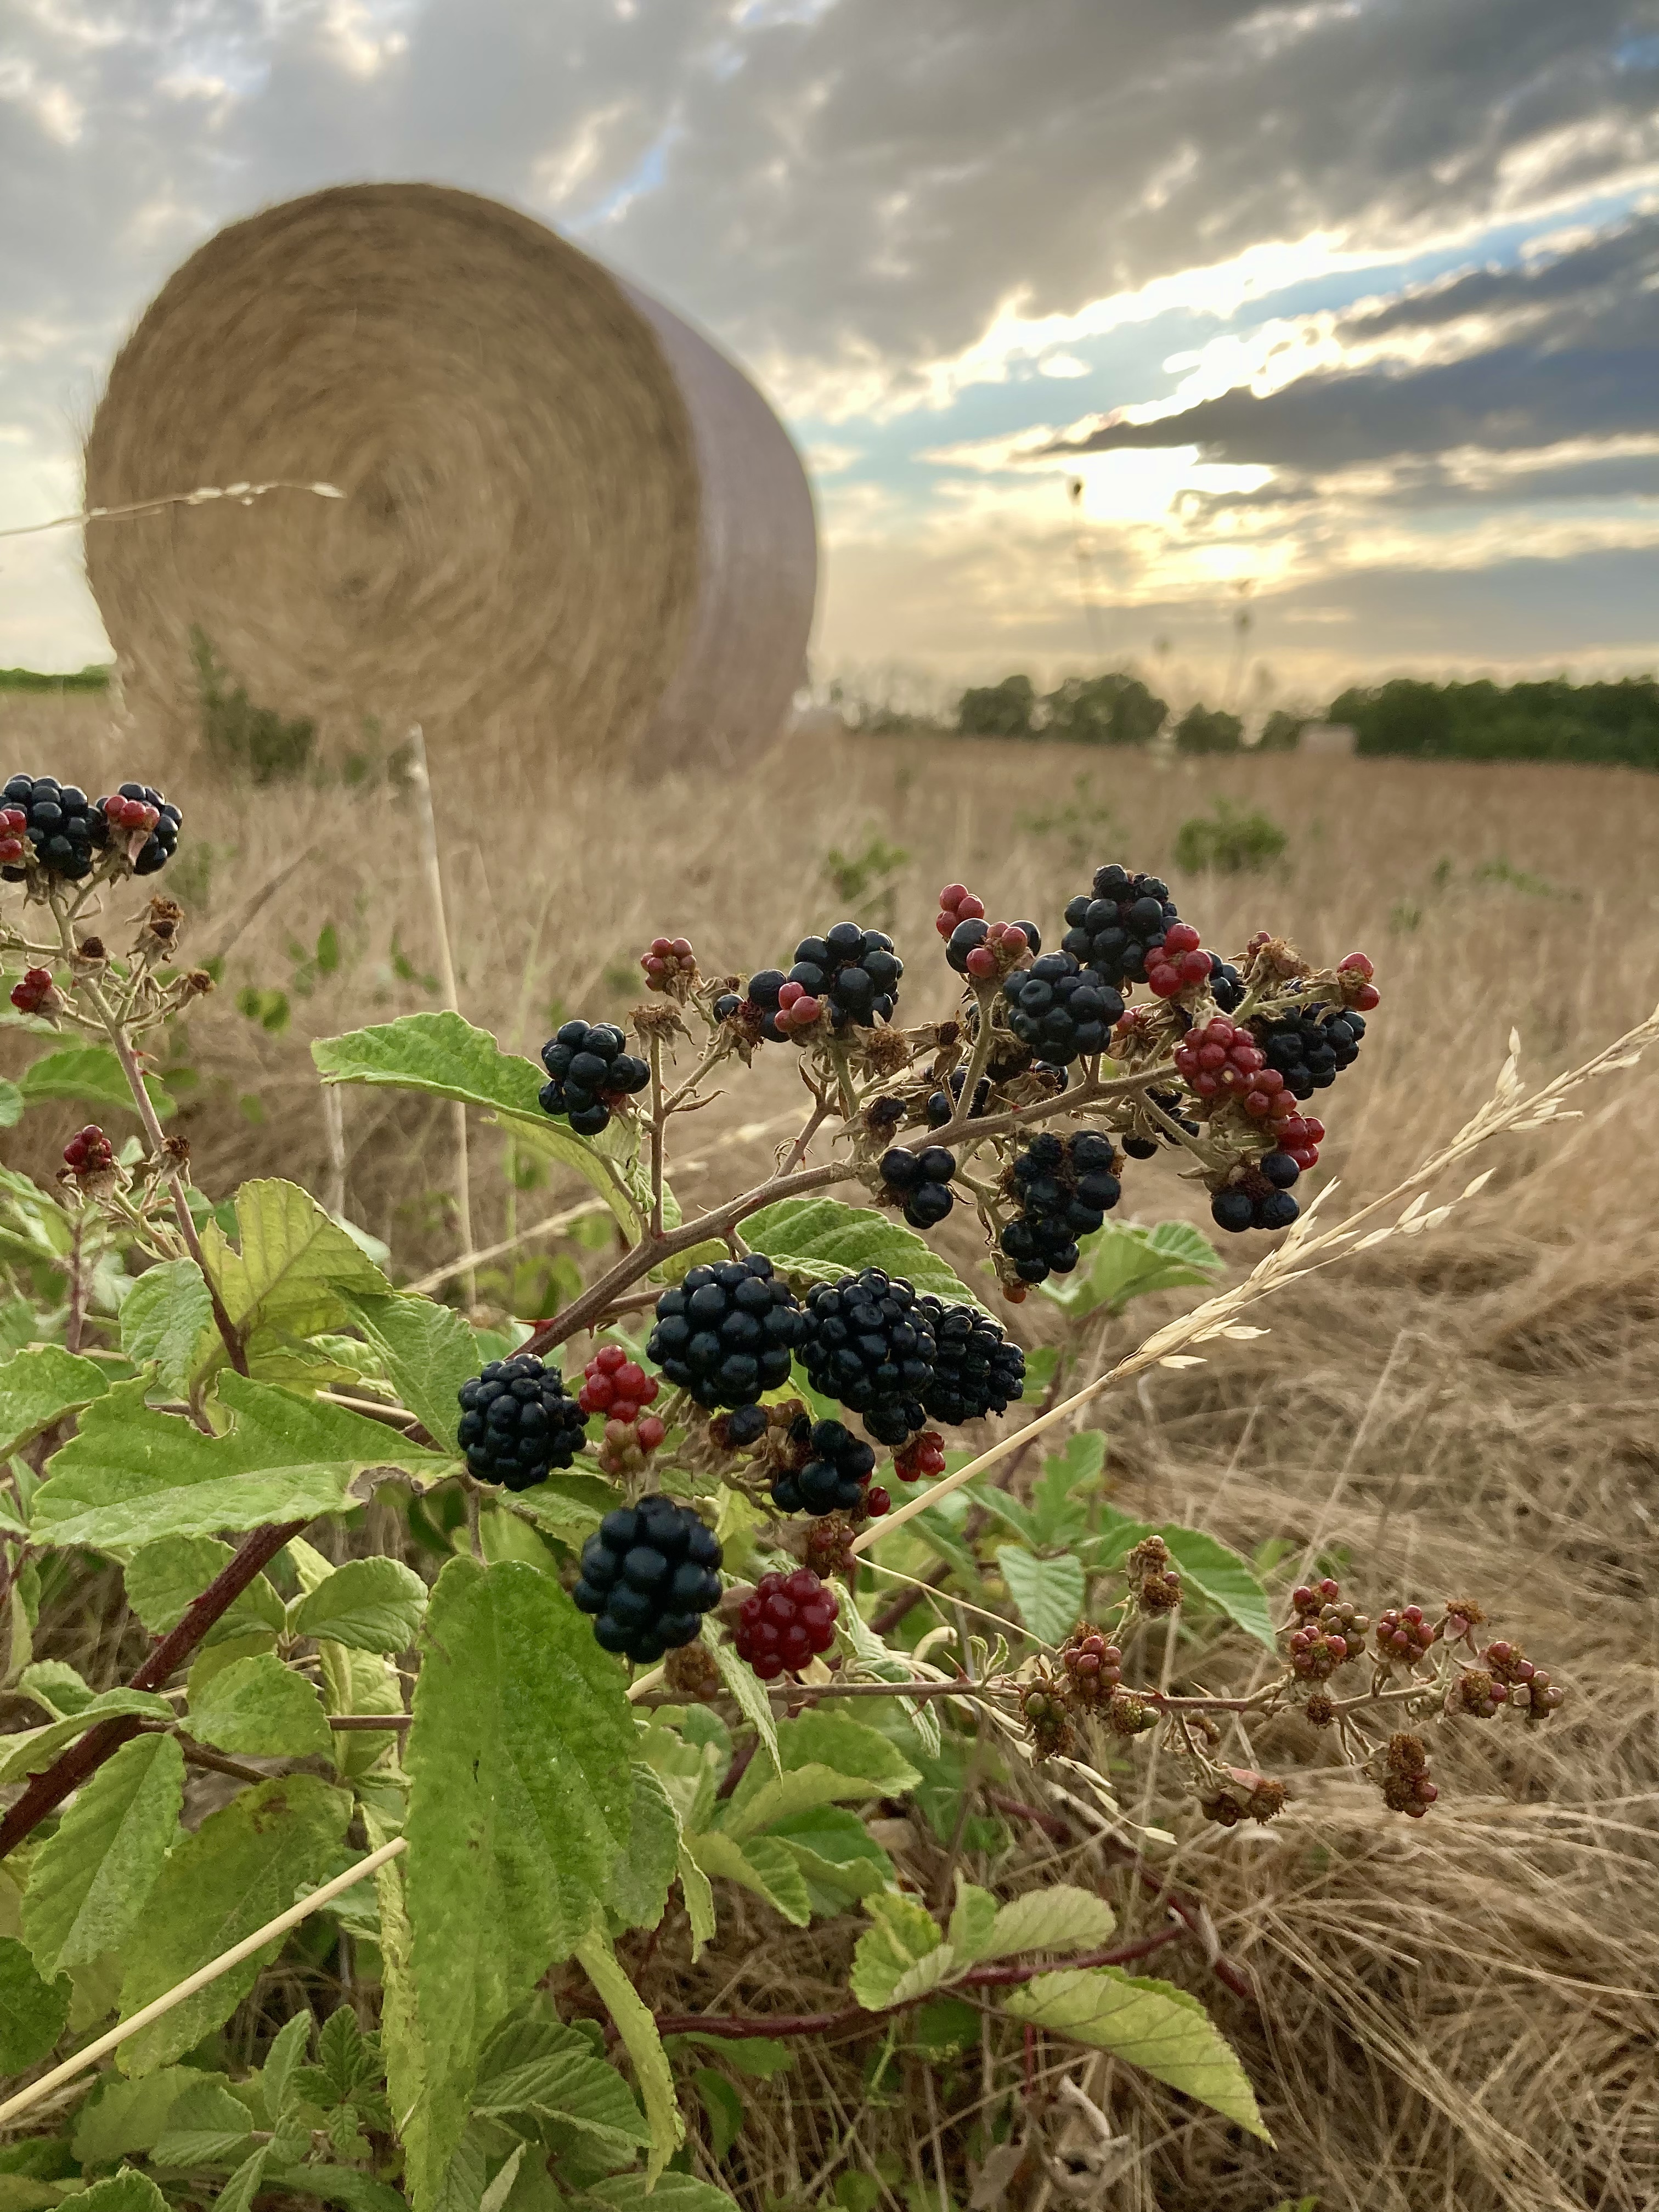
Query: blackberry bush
pixel 869 1346
pixel 142 821
pixel 518 1422
pixel 1120 929
pixel 648 1576
pixel 59 822
pixel 848 975
pixel 726 1333
pixel 590 1075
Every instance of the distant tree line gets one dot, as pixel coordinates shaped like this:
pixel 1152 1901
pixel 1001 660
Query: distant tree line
pixel 31 679
pixel 1614 722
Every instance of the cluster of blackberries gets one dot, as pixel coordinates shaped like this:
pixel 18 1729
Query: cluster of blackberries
pixel 32 992
pixel 833 1467
pixel 850 974
pixel 1258 1197
pixel 1329 1631
pixel 1144 1146
pixel 922 1460
pixel 923 1181
pixel 1403 1635
pixel 1226 984
pixel 518 1420
pixel 1310 1050
pixel 870 1347
pixel 58 820
pixel 942 1104
pixel 1061 1011
pixel 976 1371
pixel 648 1575
pixel 785 1621
pixel 726 1332
pixel 135 807
pixel 590 1074
pixel 1065 1186
pixel 1119 931
pixel 1092 1665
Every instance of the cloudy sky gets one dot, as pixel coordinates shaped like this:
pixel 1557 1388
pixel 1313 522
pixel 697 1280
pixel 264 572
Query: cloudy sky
pixel 1343 313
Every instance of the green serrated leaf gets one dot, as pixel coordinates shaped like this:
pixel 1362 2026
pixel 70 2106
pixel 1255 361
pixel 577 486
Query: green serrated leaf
pixel 373 1605
pixel 1060 1918
pixel 241 1868
pixel 839 1858
pixel 1125 1261
pixel 1059 1493
pixel 132 1475
pixel 56 1687
pixel 904 1933
pixel 125 2192
pixel 11 1105
pixel 749 1694
pixel 825 1757
pixel 722 2109
pixel 1148 2024
pixel 539 2067
pixel 699 1895
pixel 645 1876
pixel 519 1756
pixel 262 1710
pixel 287 2053
pixel 91 1073
pixel 89 1882
pixel 767 1867
pixel 239 2191
pixel 39 1387
pixel 121 2116
pixel 163 1579
pixel 567 1506
pixel 428 1353
pixel 34 2013
pixel 972 1920
pixel 1224 1578
pixel 205 2126
pixel 286 1273
pixel 819 1240
pixel 447 1058
pixel 166 1316
pixel 674 2192
pixel 1050 1593
pixel 638 2031
pixel 336 2184
pixel 33 1750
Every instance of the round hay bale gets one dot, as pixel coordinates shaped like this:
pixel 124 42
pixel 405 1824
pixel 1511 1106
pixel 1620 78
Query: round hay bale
pixel 565 511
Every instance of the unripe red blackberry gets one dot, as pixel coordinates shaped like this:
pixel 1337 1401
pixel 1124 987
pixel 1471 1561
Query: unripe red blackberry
pixel 89 1152
pixel 788 1620
pixel 1093 1668
pixel 35 993
pixel 1476 1694
pixel 1178 964
pixel 615 1385
pixel 13 833
pixel 1330 1633
pixel 670 965
pixel 1531 1690
pixel 1403 1636
pixel 1354 979
pixel 877 1502
pixel 921 1460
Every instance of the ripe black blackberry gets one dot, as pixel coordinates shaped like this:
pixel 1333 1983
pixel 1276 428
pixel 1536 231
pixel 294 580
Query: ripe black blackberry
pixel 518 1420
pixel 590 1074
pixel 1226 984
pixel 852 973
pixel 831 1476
pixel 726 1332
pixel 1310 1049
pixel 1065 1186
pixel 869 1346
pixel 1060 1011
pixel 133 807
pixel 942 1104
pixel 648 1575
pixel 1144 1144
pixel 1256 1199
pixel 59 820
pixel 1114 930
pixel 923 1181
pixel 976 1371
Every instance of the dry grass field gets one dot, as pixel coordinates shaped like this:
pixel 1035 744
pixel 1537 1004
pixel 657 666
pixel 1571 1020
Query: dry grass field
pixel 1455 2013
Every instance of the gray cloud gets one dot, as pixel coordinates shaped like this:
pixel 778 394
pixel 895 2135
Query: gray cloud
pixel 1583 368
pixel 863 181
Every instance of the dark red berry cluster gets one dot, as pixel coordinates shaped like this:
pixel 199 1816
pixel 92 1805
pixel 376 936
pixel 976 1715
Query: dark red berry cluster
pixel 1222 1060
pixel 32 995
pixel 921 1460
pixel 1355 974
pixel 1329 1631
pixel 13 829
pixel 788 1620
pixel 89 1152
pixel 670 965
pixel 1403 1636
pixel 1406 1785
pixel 1529 1687
pixel 1093 1668
pixel 1177 964
pixel 619 1388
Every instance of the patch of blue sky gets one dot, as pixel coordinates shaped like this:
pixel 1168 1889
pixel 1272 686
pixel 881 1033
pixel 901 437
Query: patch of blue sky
pixel 647 175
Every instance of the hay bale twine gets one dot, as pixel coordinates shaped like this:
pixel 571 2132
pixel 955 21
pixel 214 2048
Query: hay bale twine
pixel 566 512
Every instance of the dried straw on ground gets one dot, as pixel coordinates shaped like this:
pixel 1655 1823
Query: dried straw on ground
pixel 565 512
